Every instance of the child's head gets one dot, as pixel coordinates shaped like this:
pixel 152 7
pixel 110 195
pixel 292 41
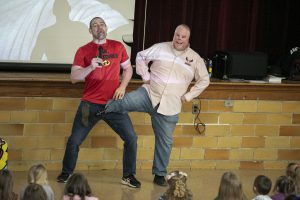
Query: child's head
pixel 37 174
pixel 3 154
pixel 6 185
pixel 177 186
pixel 77 184
pixel 230 187
pixel 34 191
pixel 297 179
pixel 290 169
pixel 284 185
pixel 262 185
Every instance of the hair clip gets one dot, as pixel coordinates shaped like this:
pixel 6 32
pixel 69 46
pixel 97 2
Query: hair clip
pixel 169 176
pixel 183 173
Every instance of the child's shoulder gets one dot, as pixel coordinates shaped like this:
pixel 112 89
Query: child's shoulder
pixel 262 197
pixel 91 198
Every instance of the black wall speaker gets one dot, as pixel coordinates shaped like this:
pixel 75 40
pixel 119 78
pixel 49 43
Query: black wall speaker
pixel 241 65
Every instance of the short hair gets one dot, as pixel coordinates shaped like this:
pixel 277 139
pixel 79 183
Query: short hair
pixel 185 26
pixel 96 18
pixel 262 184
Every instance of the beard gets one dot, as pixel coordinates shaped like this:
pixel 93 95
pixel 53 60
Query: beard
pixel 100 36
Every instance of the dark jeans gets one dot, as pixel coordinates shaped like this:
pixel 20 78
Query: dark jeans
pixel 85 119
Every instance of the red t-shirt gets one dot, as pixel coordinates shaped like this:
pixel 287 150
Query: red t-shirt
pixel 101 83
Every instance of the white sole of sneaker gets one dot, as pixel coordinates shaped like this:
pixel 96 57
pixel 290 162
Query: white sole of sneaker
pixel 128 184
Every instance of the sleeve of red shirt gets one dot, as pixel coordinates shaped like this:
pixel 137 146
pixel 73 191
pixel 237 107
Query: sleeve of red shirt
pixel 124 53
pixel 79 58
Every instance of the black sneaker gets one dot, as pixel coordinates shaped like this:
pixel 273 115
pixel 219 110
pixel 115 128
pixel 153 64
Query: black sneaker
pixel 63 177
pixel 160 180
pixel 131 181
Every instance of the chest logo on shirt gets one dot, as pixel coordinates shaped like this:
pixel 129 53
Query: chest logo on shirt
pixel 188 61
pixel 106 55
pixel 106 63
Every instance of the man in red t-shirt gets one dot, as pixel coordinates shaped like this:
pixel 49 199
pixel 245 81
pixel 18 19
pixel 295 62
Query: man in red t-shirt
pixel 98 64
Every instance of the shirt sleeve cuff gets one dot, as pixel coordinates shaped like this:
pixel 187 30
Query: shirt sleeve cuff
pixel 146 77
pixel 188 97
pixel 125 64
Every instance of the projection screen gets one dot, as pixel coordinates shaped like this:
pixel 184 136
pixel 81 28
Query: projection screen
pixel 50 31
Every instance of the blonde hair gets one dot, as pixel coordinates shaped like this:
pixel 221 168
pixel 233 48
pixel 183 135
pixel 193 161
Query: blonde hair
pixel 177 186
pixel 37 174
pixel 230 187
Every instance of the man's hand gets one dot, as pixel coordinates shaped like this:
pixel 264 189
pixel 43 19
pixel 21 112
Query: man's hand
pixel 96 62
pixel 183 99
pixel 119 93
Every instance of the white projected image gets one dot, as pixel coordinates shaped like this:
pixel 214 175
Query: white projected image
pixel 52 30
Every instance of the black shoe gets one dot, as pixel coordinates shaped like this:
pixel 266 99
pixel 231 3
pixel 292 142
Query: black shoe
pixel 63 177
pixel 131 181
pixel 160 180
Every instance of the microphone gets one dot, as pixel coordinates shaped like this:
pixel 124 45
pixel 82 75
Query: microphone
pixel 100 53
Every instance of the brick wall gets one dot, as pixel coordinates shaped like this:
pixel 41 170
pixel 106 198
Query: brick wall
pixel 250 134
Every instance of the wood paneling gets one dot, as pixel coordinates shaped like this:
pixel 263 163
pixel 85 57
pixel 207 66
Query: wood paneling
pixel 58 85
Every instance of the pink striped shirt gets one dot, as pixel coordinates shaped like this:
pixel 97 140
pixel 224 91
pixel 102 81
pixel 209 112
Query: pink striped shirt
pixel 170 75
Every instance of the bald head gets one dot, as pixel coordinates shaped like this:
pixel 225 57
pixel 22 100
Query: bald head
pixel 183 26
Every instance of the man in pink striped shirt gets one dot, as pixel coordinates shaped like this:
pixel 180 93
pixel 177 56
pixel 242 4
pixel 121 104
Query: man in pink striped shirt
pixel 174 66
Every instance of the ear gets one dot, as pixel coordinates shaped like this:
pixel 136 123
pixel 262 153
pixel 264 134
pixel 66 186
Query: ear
pixel 254 189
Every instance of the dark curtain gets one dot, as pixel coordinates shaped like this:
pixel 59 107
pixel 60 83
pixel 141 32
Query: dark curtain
pixel 270 26
pixel 283 28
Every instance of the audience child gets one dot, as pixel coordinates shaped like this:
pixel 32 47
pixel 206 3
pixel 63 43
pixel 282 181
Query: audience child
pixel 38 174
pixel 3 154
pixel 291 170
pixel 230 188
pixel 6 186
pixel 177 187
pixel 297 179
pixel 283 187
pixel 261 187
pixel 77 188
pixel 34 191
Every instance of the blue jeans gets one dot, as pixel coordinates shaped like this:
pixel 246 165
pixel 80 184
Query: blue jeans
pixel 85 119
pixel 163 126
